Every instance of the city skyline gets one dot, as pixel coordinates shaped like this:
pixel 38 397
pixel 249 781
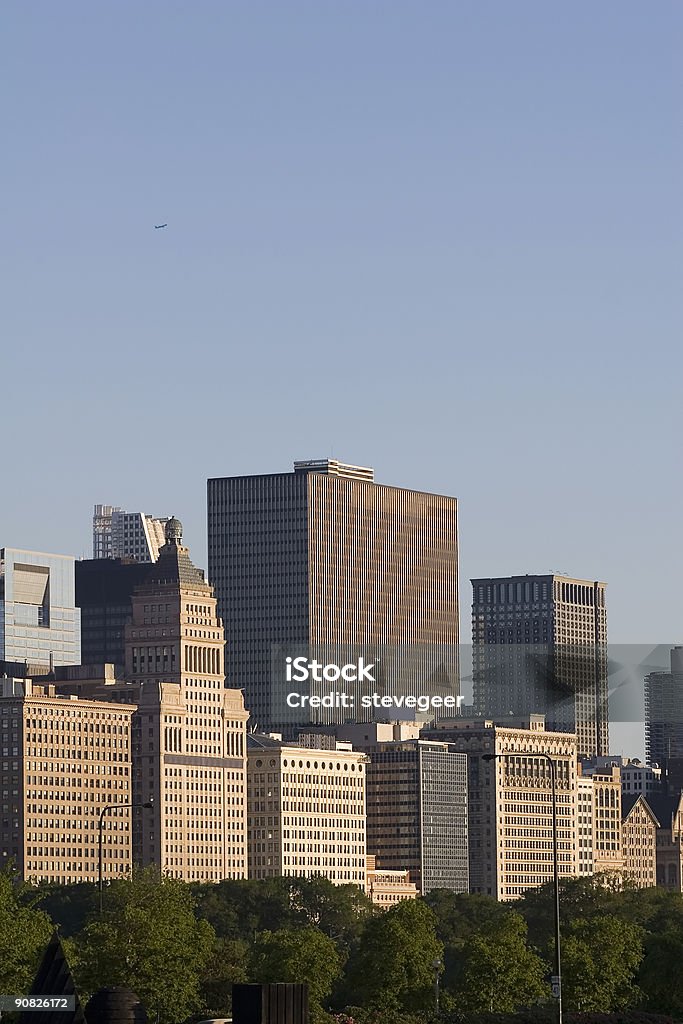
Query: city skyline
pixel 468 247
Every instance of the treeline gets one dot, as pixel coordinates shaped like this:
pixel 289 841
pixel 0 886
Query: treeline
pixel 181 947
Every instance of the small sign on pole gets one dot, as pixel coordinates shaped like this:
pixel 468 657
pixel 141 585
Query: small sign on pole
pixel 555 986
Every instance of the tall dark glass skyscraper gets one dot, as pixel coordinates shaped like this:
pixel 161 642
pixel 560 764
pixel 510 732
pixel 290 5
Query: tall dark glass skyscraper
pixel 326 556
pixel 540 647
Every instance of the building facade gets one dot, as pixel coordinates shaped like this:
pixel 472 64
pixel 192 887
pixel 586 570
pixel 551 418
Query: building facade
pixel 584 825
pixel 668 809
pixel 540 647
pixel 39 621
pixel 416 807
pixel 639 841
pixel 120 534
pixel 63 760
pixel 104 594
pixel 325 557
pixel 189 732
pixel 387 888
pixel 510 802
pixel 306 811
pixel 664 712
pixel 607 847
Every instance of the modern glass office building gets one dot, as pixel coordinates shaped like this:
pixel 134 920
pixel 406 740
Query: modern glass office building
pixel 39 621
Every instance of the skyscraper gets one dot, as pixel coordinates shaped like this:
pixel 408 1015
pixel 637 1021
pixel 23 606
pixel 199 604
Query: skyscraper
pixel 104 595
pixel 416 805
pixel 39 621
pixel 664 712
pixel 326 556
pixel 510 802
pixel 120 534
pixel 540 647
pixel 189 732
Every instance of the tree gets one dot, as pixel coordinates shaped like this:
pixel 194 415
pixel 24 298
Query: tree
pixel 337 910
pixel 304 955
pixel 460 914
pixel 24 933
pixel 600 958
pixel 149 940
pixel 239 909
pixel 583 898
pixel 660 976
pixel 498 971
pixel 69 906
pixel 392 967
pixel 227 965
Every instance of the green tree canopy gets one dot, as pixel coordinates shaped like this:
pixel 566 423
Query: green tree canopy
pixel 392 968
pixel 600 959
pixel 24 933
pixel 661 973
pixel 240 908
pixel 149 940
pixel 337 910
pixel 304 955
pixel 498 972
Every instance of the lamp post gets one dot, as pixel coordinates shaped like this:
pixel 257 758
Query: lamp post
pixel 105 809
pixel 557 980
pixel 436 964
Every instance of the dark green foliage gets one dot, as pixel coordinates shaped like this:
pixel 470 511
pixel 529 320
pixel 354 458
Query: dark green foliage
pixel 302 955
pixel 149 940
pixel 182 947
pixel 392 968
pixel 24 933
pixel 498 971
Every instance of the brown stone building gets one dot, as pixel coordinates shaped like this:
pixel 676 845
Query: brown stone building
pixel 510 802
pixel 387 888
pixel 669 812
pixel 63 759
pixel 607 848
pixel 325 558
pixel 306 811
pixel 639 841
pixel 188 730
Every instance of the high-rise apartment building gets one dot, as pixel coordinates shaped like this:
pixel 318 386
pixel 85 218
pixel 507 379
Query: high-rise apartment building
pixel 416 804
pixel 664 712
pixel 39 621
pixel 62 761
pixel 540 647
pixel 510 802
pixel 104 595
pixel 325 556
pixel 306 810
pixel 120 534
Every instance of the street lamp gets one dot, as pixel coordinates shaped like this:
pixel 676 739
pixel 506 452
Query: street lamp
pixel 436 964
pixel 111 807
pixel 557 980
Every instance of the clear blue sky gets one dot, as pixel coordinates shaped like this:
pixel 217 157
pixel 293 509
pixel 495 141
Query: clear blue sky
pixel 443 239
